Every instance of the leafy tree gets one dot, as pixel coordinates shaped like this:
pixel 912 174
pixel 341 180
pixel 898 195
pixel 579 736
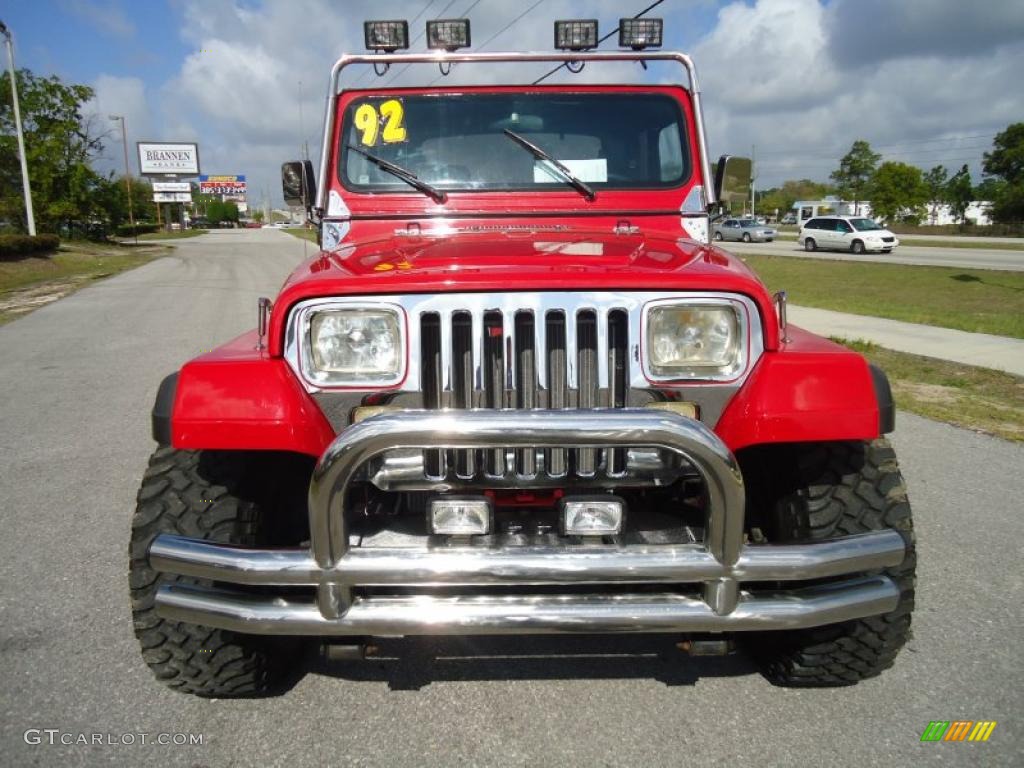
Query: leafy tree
pixel 936 180
pixel 855 171
pixel 897 191
pixel 257 215
pixel 59 144
pixel 795 189
pixel 960 194
pixel 1005 164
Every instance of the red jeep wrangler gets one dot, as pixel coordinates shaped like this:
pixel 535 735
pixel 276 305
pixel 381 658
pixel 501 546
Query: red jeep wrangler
pixel 517 391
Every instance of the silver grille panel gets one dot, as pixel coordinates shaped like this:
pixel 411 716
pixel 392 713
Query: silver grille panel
pixel 529 351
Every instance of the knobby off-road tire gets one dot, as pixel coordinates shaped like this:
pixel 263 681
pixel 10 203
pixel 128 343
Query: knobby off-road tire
pixel 218 496
pixel 842 489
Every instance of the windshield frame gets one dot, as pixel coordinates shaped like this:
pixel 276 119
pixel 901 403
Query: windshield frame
pixel 687 141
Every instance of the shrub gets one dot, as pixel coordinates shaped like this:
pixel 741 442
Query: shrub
pixel 141 228
pixel 13 247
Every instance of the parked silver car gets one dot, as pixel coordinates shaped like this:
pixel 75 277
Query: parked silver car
pixel 747 230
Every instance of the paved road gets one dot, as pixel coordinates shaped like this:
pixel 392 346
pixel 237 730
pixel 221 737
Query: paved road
pixel 77 380
pixel 961 258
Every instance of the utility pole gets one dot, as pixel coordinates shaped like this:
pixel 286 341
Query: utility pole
pixel 26 188
pixel 753 152
pixel 127 174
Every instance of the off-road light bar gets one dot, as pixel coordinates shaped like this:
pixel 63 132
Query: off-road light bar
pixel 591 515
pixel 576 34
pixel 386 36
pixel 640 33
pixel 454 516
pixel 448 34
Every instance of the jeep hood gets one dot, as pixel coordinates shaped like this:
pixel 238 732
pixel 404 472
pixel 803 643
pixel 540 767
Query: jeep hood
pixel 535 260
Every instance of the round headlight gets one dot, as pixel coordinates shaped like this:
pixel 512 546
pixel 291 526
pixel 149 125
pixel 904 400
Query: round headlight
pixel 693 341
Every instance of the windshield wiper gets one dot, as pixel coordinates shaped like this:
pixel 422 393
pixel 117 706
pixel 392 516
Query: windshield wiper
pixel 408 177
pixel 581 186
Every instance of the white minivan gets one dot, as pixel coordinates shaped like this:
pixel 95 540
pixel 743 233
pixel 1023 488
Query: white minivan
pixel 846 233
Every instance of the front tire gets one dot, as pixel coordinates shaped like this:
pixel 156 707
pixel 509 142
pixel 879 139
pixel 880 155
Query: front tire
pixel 857 247
pixel 218 496
pixel 746 237
pixel 840 489
pixel 810 245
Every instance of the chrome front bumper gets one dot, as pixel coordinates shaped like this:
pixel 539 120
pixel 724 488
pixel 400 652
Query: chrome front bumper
pixel 714 568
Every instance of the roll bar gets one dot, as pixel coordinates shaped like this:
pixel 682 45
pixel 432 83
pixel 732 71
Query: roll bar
pixel 444 57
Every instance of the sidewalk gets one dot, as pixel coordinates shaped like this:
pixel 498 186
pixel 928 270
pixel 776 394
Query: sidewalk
pixel 979 349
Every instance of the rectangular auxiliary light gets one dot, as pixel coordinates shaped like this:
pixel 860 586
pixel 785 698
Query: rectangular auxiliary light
pixel 591 515
pixel 448 34
pixel 576 34
pixel 640 33
pixel 386 35
pixel 452 516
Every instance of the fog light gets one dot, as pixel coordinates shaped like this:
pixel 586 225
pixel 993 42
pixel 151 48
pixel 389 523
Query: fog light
pixel 362 412
pixel 595 516
pixel 460 517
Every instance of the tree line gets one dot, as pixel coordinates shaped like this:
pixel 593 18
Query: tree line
pixel 62 143
pixel 902 192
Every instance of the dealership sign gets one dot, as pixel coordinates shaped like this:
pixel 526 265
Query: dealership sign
pixel 171 158
pixel 233 186
pixel 171 186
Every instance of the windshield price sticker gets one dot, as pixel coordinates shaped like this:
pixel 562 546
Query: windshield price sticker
pixel 385 123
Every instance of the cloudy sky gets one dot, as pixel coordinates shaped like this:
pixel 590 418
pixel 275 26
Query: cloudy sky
pixel 924 81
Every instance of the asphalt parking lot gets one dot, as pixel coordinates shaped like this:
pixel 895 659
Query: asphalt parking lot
pixel 78 381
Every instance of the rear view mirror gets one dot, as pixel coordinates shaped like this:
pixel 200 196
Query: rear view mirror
pixel 732 181
pixel 298 184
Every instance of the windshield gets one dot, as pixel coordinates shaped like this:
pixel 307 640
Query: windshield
pixel 459 142
pixel 864 225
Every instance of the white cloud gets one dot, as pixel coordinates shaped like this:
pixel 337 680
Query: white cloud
pixel 125 96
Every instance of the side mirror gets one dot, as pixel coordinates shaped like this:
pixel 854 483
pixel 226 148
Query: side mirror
pixel 732 180
pixel 298 184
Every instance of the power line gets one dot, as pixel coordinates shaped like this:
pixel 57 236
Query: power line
pixel 832 152
pixel 415 40
pixel 650 7
pixel 499 32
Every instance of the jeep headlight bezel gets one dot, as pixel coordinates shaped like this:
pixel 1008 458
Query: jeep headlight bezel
pixel 359 345
pixel 694 340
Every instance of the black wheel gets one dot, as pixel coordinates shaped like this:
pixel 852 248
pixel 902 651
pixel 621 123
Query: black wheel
pixel 839 489
pixel 718 236
pixel 857 246
pixel 227 497
pixel 810 245
pixel 746 237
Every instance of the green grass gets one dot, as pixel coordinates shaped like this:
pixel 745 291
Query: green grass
pixel 977 300
pixel 976 398
pixel 23 283
pixel 173 235
pixel 302 234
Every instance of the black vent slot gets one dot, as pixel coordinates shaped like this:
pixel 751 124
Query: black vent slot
pixel 618 376
pixel 586 342
pixel 526 383
pixel 557 383
pixel 430 365
pixel 494 379
pixel 462 382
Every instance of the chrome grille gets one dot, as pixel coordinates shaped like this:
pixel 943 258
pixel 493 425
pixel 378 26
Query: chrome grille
pixel 524 358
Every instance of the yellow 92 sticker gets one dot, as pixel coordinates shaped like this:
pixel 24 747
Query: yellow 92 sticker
pixel 384 123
